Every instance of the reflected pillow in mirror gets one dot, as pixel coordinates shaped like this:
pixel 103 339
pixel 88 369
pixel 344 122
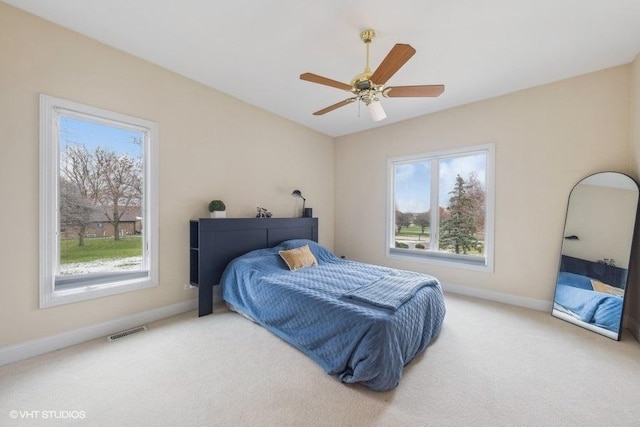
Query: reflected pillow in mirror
pixel 298 258
pixel 598 286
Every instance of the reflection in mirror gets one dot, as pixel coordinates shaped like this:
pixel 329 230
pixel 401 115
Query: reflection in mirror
pixel 598 235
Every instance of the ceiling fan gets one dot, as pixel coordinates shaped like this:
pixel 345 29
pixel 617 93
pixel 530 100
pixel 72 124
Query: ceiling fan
pixel 367 85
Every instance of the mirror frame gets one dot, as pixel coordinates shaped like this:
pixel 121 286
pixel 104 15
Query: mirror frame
pixel 556 312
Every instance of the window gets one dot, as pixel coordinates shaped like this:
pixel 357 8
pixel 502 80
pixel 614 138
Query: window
pixel 98 202
pixel 441 207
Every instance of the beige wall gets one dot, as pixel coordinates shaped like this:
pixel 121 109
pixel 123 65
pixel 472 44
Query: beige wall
pixel 547 139
pixel 211 146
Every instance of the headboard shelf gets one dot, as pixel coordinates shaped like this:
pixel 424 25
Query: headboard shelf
pixel 608 274
pixel 214 242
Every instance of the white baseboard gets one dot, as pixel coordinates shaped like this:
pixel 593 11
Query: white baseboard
pixel 534 304
pixel 633 325
pixel 36 347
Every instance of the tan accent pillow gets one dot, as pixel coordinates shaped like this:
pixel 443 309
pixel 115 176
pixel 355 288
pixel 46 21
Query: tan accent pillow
pixel 598 286
pixel 298 258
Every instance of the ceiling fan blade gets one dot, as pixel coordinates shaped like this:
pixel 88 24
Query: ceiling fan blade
pixel 394 60
pixel 314 78
pixel 413 91
pixel 334 106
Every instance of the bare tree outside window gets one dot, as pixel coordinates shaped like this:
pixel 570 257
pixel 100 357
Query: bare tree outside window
pixel 100 196
pixel 75 209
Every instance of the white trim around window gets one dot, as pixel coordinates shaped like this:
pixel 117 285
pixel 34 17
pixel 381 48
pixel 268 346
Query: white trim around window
pixel 89 286
pixel 484 263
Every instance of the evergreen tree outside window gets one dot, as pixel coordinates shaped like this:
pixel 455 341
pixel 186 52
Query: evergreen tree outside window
pixel 458 231
pixel 443 207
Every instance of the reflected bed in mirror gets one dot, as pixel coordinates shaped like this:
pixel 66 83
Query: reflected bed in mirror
pixel 598 235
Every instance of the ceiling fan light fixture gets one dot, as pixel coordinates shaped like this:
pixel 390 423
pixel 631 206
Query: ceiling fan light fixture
pixel 376 110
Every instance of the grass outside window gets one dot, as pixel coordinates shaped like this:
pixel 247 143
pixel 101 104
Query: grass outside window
pixel 98 248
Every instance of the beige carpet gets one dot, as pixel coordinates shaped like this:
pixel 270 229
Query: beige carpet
pixel 492 365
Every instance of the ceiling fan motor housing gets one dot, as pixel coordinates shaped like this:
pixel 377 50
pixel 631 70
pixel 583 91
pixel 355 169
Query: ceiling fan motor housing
pixel 363 85
pixel 363 82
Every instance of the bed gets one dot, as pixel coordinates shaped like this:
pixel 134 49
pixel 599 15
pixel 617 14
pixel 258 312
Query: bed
pixel 358 321
pixel 591 292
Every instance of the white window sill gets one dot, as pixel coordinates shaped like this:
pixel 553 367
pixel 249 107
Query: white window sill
pixel 465 262
pixel 87 291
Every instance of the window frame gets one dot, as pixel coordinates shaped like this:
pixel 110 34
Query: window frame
pixel 84 289
pixel 442 258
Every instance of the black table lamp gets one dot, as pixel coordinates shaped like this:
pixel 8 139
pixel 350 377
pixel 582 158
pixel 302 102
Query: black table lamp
pixel 306 213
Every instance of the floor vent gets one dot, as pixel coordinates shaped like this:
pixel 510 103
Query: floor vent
pixel 128 332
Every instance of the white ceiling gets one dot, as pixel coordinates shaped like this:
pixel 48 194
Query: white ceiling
pixel 255 50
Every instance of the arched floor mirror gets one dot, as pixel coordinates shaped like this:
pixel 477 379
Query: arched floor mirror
pixel 598 235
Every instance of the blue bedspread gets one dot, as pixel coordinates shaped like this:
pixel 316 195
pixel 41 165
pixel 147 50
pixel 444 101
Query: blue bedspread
pixel 391 290
pixel 575 294
pixel 308 308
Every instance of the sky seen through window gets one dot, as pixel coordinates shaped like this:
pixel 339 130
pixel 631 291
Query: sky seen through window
pixel 413 180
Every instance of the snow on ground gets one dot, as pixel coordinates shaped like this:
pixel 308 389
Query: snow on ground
pixel 102 265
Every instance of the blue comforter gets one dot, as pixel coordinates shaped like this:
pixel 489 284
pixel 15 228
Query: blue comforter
pixel 358 341
pixel 575 294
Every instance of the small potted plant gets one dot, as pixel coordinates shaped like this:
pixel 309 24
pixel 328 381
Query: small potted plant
pixel 217 209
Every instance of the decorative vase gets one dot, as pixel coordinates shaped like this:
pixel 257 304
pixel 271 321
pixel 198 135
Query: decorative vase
pixel 218 214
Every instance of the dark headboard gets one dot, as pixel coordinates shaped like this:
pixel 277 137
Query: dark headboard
pixel 609 274
pixel 214 242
